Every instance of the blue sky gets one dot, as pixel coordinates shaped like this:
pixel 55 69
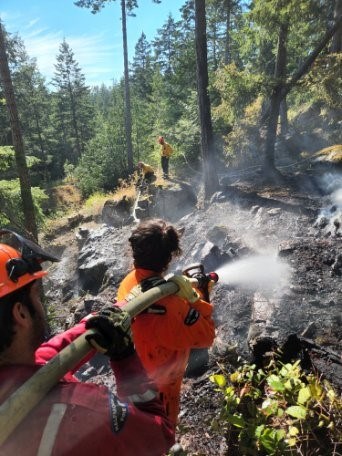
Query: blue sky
pixel 96 40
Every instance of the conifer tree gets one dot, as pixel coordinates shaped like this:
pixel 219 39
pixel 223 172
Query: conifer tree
pixel 73 112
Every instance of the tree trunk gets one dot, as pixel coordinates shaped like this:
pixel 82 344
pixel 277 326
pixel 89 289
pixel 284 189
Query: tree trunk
pixel 336 44
pixel 24 178
pixel 128 114
pixel 207 143
pixel 228 7
pixel 284 122
pixel 279 75
pixel 74 123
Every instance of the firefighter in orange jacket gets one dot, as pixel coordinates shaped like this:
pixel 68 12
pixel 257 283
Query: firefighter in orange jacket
pixel 168 330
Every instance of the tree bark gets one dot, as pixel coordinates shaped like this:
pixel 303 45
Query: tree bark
pixel 128 114
pixel 284 122
pixel 336 43
pixel 24 178
pixel 279 75
pixel 207 143
pixel 228 7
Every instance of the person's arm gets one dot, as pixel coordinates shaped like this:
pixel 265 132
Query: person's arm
pixel 53 346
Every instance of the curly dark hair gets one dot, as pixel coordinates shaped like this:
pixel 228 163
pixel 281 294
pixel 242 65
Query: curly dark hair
pixel 7 302
pixel 154 243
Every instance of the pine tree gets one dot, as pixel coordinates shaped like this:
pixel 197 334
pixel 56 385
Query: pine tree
pixel 18 143
pixel 73 111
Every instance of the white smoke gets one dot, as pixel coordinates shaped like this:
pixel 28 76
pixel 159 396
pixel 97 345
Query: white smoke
pixel 264 272
pixel 330 217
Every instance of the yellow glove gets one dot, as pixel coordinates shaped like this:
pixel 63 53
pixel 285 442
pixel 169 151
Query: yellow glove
pixel 185 288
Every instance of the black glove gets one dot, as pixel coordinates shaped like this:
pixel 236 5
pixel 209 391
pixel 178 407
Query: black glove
pixel 114 337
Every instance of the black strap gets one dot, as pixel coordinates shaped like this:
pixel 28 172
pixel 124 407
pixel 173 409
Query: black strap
pixel 151 282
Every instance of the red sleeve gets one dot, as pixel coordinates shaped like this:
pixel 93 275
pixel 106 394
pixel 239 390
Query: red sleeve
pixel 53 346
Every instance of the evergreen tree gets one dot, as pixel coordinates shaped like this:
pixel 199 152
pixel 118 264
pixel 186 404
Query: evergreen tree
pixel 142 69
pixel 73 111
pixel 18 143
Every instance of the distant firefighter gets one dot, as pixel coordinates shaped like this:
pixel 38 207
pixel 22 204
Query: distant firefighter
pixel 147 172
pixel 165 153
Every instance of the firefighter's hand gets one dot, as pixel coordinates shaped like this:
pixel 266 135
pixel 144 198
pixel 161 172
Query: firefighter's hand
pixel 114 335
pixel 185 288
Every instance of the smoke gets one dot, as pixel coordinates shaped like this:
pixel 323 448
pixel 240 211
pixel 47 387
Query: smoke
pixel 331 182
pixel 330 217
pixel 336 197
pixel 264 272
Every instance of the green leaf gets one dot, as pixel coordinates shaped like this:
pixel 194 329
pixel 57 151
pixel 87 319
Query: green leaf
pixel 259 430
pixel 280 434
pixel 304 395
pixel 236 421
pixel 315 390
pixel 293 430
pixel 275 383
pixel 268 440
pixel 219 379
pixel 291 442
pixel 297 411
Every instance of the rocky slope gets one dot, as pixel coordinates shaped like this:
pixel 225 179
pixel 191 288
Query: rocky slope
pixel 278 252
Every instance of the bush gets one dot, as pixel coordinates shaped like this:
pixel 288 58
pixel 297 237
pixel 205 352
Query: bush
pixel 11 212
pixel 279 410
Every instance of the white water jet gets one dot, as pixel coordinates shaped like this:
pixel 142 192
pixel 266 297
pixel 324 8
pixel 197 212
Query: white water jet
pixel 259 271
pixel 135 206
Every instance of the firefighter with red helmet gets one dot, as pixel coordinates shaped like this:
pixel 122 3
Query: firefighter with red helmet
pixel 73 417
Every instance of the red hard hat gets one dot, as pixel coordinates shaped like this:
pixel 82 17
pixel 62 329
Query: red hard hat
pixel 9 259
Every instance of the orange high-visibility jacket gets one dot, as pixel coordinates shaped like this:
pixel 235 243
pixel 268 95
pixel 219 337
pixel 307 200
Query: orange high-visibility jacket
pixel 163 339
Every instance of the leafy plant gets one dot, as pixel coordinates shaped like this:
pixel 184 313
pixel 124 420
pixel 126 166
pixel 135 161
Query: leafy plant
pixel 279 410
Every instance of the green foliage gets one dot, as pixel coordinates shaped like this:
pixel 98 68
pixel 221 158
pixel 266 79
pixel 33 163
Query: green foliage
pixel 237 89
pixel 103 162
pixel 324 82
pixel 6 157
pixel 279 410
pixel 11 212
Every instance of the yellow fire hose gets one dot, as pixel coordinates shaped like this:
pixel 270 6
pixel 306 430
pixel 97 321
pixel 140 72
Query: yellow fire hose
pixel 28 395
